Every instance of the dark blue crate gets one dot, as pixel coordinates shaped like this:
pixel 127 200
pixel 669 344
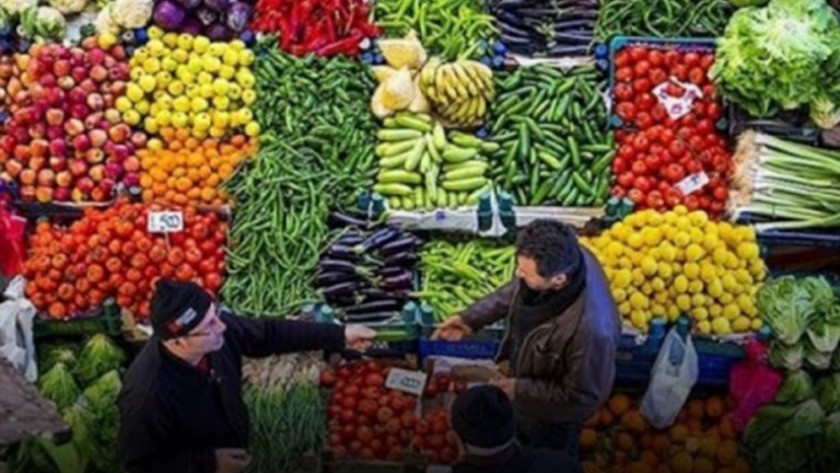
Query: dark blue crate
pixel 473 349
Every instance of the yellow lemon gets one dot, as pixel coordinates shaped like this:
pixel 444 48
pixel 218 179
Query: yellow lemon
pixel 639 319
pixel 721 326
pixel 710 241
pixel 684 302
pixel 200 44
pixel 682 239
pixel 667 252
pixel 652 236
pixel 698 300
pixel 639 301
pixel 756 324
pixel 694 252
pixel 619 295
pixel 665 271
pixel 624 308
pixel 698 218
pixel 681 284
pixel 623 278
pixel 731 312
pixel 673 312
pixel 719 255
pixel 700 313
pixel 715 310
pixel 695 287
pixel 704 327
pixel 691 270
pixel 741 324
pixel 661 297
pixel 648 266
pixel 714 287
pixel 683 223
pixel 635 240
pixel 696 235
pixel 657 284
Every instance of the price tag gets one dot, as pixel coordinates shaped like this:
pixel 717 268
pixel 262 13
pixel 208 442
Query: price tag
pixel 412 382
pixel 693 183
pixel 166 222
pixel 677 107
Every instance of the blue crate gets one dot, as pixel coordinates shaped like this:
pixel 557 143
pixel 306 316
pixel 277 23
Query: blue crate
pixel 714 359
pixel 473 348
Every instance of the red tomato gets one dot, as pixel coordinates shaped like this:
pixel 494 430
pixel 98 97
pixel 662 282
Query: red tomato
pixel 641 68
pixel 639 168
pixel 659 113
pixel 384 414
pixel 697 75
pixel 656 58
pixel 681 73
pixel 645 101
pixel 626 110
pixel 691 59
pixel 374 380
pixel 638 53
pixel 642 85
pixel 643 120
pixel 636 196
pixel 619 165
pixel 364 434
pixel 622 58
pixel 704 127
pixel 624 74
pixel 720 193
pixel 640 143
pixel 625 180
pixel 658 76
pixel 655 200
pixel 623 92
pixel 713 111
pixel 652 162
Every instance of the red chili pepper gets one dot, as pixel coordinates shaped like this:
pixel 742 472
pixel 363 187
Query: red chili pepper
pixel 348 46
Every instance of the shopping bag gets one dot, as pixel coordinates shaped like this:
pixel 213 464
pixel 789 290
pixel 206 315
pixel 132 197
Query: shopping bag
pixel 752 384
pixel 673 375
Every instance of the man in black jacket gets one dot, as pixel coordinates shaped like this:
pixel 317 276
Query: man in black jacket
pixel 482 418
pixel 181 407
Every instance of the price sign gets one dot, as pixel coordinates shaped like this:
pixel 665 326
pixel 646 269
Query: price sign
pixel 412 382
pixel 693 183
pixel 166 222
pixel 677 107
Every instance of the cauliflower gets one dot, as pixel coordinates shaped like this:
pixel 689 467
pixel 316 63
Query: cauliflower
pixel 43 23
pixel 132 13
pixel 104 22
pixel 69 6
pixel 17 6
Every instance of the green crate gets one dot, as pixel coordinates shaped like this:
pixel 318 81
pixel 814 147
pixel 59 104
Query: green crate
pixel 105 320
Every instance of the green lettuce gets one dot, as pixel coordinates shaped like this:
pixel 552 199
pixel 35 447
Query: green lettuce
pixel 787 357
pixel 815 358
pixel 788 304
pixel 828 393
pixel 58 386
pixel 781 438
pixel 824 331
pixel 796 389
pixel 98 357
pixel 101 419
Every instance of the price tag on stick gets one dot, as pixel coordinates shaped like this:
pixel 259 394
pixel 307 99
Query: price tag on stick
pixel 412 382
pixel 693 183
pixel 165 222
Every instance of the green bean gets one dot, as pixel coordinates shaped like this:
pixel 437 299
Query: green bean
pixel 665 18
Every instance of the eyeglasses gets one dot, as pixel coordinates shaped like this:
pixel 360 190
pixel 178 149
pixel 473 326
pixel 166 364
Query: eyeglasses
pixel 214 327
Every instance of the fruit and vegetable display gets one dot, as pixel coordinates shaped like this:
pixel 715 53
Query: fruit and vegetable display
pixel 454 275
pixel 551 28
pixel 367 274
pixel 552 150
pixel 619 439
pixel 110 254
pixel 664 264
pixel 804 314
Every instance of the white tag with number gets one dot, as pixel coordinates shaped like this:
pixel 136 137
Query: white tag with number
pixel 166 222
pixel 693 183
pixel 677 107
pixel 412 382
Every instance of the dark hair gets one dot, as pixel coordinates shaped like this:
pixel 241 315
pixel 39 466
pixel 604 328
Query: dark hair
pixel 482 416
pixel 551 244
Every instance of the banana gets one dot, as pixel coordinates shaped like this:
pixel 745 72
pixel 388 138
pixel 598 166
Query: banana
pixel 427 75
pixel 482 108
pixel 457 83
pixel 465 79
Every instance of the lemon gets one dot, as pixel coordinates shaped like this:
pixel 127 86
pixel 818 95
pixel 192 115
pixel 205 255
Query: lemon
pixel 216 49
pixel 756 324
pixel 694 252
pixel 721 326
pixel 132 117
pixel 700 313
pixel 217 132
pixel 206 91
pixel 638 319
pixel 662 297
pixel 170 39
pixel 623 278
pixel 151 126
pixel 201 121
pixel 732 261
pixel 134 92
pixel 725 231
pixel 200 44
pixel 635 240
pixel 707 272
pixel 237 45
pixel 636 257
pixel 673 312
pixel 710 241
pixel 180 120
pixel 704 327
pixel 180 55
pixel 198 104
pixel 151 65
pixel 639 301
pixel 168 63
pixel 619 295
pixel 648 266
pixel 657 284
pixel 625 262
pixel 194 65
pixel 681 283
pixel 665 271
pixel 246 57
pixel 624 308
pixel 696 235
pixel 176 88
pixel 122 104
pixel 698 300
pixel 252 129
pixel 647 289
pixel 652 236
pixel 181 104
pixel 726 298
pixel 684 302
pixel 227 72
pixel 731 311
pixel 164 118
pixel 691 270
pixel 204 77
pixel 715 310
pixel 695 287
pixel 667 252
pixel 620 231
pixel 221 119
pixel 682 239
pixel 683 223
pixel 230 57
pixel 698 218
pixel 715 287
pixel 142 107
pixel 741 324
pixel 719 255
pixel 743 276
pixel 614 250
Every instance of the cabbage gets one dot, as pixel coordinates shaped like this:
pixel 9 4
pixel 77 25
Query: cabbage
pixel 58 386
pixel 788 357
pixel 169 15
pixel 789 305
pixel 98 357
pixel 828 393
pixel 796 389
pixel 43 23
pixel 815 358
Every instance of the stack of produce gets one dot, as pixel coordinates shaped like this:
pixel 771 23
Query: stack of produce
pixel 664 147
pixel 552 149
pixel 219 20
pixel 662 19
pixel 108 253
pixel 459 91
pixel 805 317
pixel 85 391
pixel 456 275
pixel 801 430
pixel 368 273
pixel 322 27
pixel 421 168
pixel 668 264
pixel 187 81
pixel 552 28
pixel 283 400
pixel 317 152
pixel 618 439
pixel 790 184
pixel 64 140
pixel 399 80
pixel 451 28
pixel 189 171
pixel 782 57
pixel 8 71
pixel 119 15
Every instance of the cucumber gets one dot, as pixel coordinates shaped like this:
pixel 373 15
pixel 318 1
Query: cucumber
pixel 464 184
pixel 389 190
pixel 398 176
pixel 399 134
pixel 456 154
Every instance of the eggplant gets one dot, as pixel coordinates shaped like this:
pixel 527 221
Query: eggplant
pixel 405 258
pixel 572 38
pixel 510 39
pixel 404 243
pixel 379 294
pixel 377 239
pixel 510 29
pixel 342 301
pixel 341 289
pixel 342 252
pixel 390 271
pixel 341 266
pixel 572 24
pixel 403 281
pixel 329 279
pixel 350 240
pixel 374 306
pixel 566 50
pixel 338 220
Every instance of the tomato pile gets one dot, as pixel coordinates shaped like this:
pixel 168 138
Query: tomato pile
pixel 64 139
pixel 371 422
pixel 656 152
pixel 109 253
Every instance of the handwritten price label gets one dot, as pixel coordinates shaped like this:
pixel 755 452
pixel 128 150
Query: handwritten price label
pixel 693 183
pixel 412 382
pixel 166 222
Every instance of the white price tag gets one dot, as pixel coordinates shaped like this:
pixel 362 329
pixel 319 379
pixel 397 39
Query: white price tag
pixel 412 382
pixel 677 107
pixel 693 183
pixel 166 222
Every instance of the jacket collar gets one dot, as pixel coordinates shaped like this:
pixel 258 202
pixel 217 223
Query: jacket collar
pixel 500 458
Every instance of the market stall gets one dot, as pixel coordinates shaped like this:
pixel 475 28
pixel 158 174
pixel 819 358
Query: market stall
pixel 354 161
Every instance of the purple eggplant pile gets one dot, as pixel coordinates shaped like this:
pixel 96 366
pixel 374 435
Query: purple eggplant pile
pixel 546 27
pixel 219 20
pixel 367 274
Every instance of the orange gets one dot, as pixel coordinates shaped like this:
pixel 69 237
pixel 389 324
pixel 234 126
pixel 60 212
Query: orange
pixel 158 174
pixel 695 427
pixel 225 171
pixel 145 181
pixel 205 171
pixel 649 458
pixel 647 440
pixel 237 140
pixel 715 407
pixel 725 428
pixel 625 442
pixel 634 421
pixel 182 134
pixel 588 437
pixel 619 404
pixel 695 409
pixel 639 467
pixel 593 420
pixel 682 463
pixel 709 446
pixel 742 466
pixel 703 465
pixel 191 143
pixel 179 172
pixel 678 433
pixel 193 174
pixel 661 443
pixel 159 188
pixel 180 199
pixel 194 193
pixel 727 453
pixel 195 160
pixel 214 180
pixel 208 194
pixel 184 184
pixel 148 195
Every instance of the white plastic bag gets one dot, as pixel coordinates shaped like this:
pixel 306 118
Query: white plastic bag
pixel 17 315
pixel 671 379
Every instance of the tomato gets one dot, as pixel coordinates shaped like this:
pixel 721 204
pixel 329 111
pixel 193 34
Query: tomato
pixel 697 76
pixel 640 143
pixel 448 455
pixel 643 120
pixel 367 408
pixel 343 372
pixel 408 420
pixel 378 448
pixel 364 434
pixel 694 167
pixel 691 59
pixel 395 453
pixel 642 183
pixel 642 85
pixel 638 53
pixel 709 92
pixel 349 403
pixel 351 390
pixel 696 143
pixel 645 101
pixel 659 113
pixel 184 272
pixel 713 111
pixel 639 168
pixel 619 165
pixel 625 179
pixel 623 91
pixel 672 57
pixel 334 412
pixel 175 256
pixel 167 270
pixel 655 200
pixel 636 196
pixel 393 426
pixel 139 261
pixel 622 58
pixel 704 126
pixel 720 193
pixel 656 58
pixel 436 440
pixel 658 76
pixel 652 162
pixel 431 389
pixel 624 74
pixel 674 90
pixel 641 68
pixel 680 71
pixel 675 173
pixel 384 414
pixel 374 380
pixel 718 206
pixel 354 446
pixel 626 110
pixel 133 275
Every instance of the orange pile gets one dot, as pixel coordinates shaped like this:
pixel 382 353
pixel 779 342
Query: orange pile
pixel 185 170
pixel 617 439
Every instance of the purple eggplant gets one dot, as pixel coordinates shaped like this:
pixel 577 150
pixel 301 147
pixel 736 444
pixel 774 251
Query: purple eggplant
pixel 390 271
pixel 350 240
pixel 237 16
pixel 403 281
pixel 342 252
pixel 377 239
pixel 341 266
pixel 339 220
pixel 341 289
pixel 328 279
pixel 377 294
pixel 405 258
pixel 374 306
pixel 404 243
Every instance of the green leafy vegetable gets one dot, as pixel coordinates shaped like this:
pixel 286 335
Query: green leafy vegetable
pixel 824 332
pixel 98 357
pixel 781 438
pixel 58 386
pixel 100 418
pixel 50 354
pixel 789 304
pixel 796 389
pixel 815 358
pixel 788 357
pixel 828 393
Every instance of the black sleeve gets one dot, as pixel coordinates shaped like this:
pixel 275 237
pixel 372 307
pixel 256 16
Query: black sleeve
pixel 264 337
pixel 145 434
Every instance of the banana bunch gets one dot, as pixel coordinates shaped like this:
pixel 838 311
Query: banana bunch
pixel 459 91
pixel 420 168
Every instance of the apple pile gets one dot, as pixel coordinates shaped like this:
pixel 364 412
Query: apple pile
pixel 64 140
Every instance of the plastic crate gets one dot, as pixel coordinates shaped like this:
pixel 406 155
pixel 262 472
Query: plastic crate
pixel 789 125
pixel 714 359
pixel 473 348
pixel 105 320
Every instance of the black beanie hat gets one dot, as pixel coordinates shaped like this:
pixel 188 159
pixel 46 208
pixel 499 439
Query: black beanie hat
pixel 482 417
pixel 178 307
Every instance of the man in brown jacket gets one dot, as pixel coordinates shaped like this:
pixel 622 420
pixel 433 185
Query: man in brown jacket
pixel 563 328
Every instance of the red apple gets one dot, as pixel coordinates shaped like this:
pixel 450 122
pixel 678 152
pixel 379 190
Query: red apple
pixel 97 172
pixel 94 156
pixel 131 164
pixel 46 177
pixel 74 126
pixel 138 139
pixel 55 132
pixel 44 194
pixel 98 195
pixel 38 147
pixel 79 110
pixel 85 185
pixel 36 163
pixel 98 73
pixel 66 82
pixel 107 185
pixel 119 132
pixel 64 179
pixel 62 194
pixel 58 147
pixel 58 163
pixel 88 85
pixel 96 56
pixel 55 117
pixel 95 101
pixel 79 74
pixel 113 116
pixel 14 168
pixel 78 167
pixel 81 143
pixel 77 195
pixel 28 177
